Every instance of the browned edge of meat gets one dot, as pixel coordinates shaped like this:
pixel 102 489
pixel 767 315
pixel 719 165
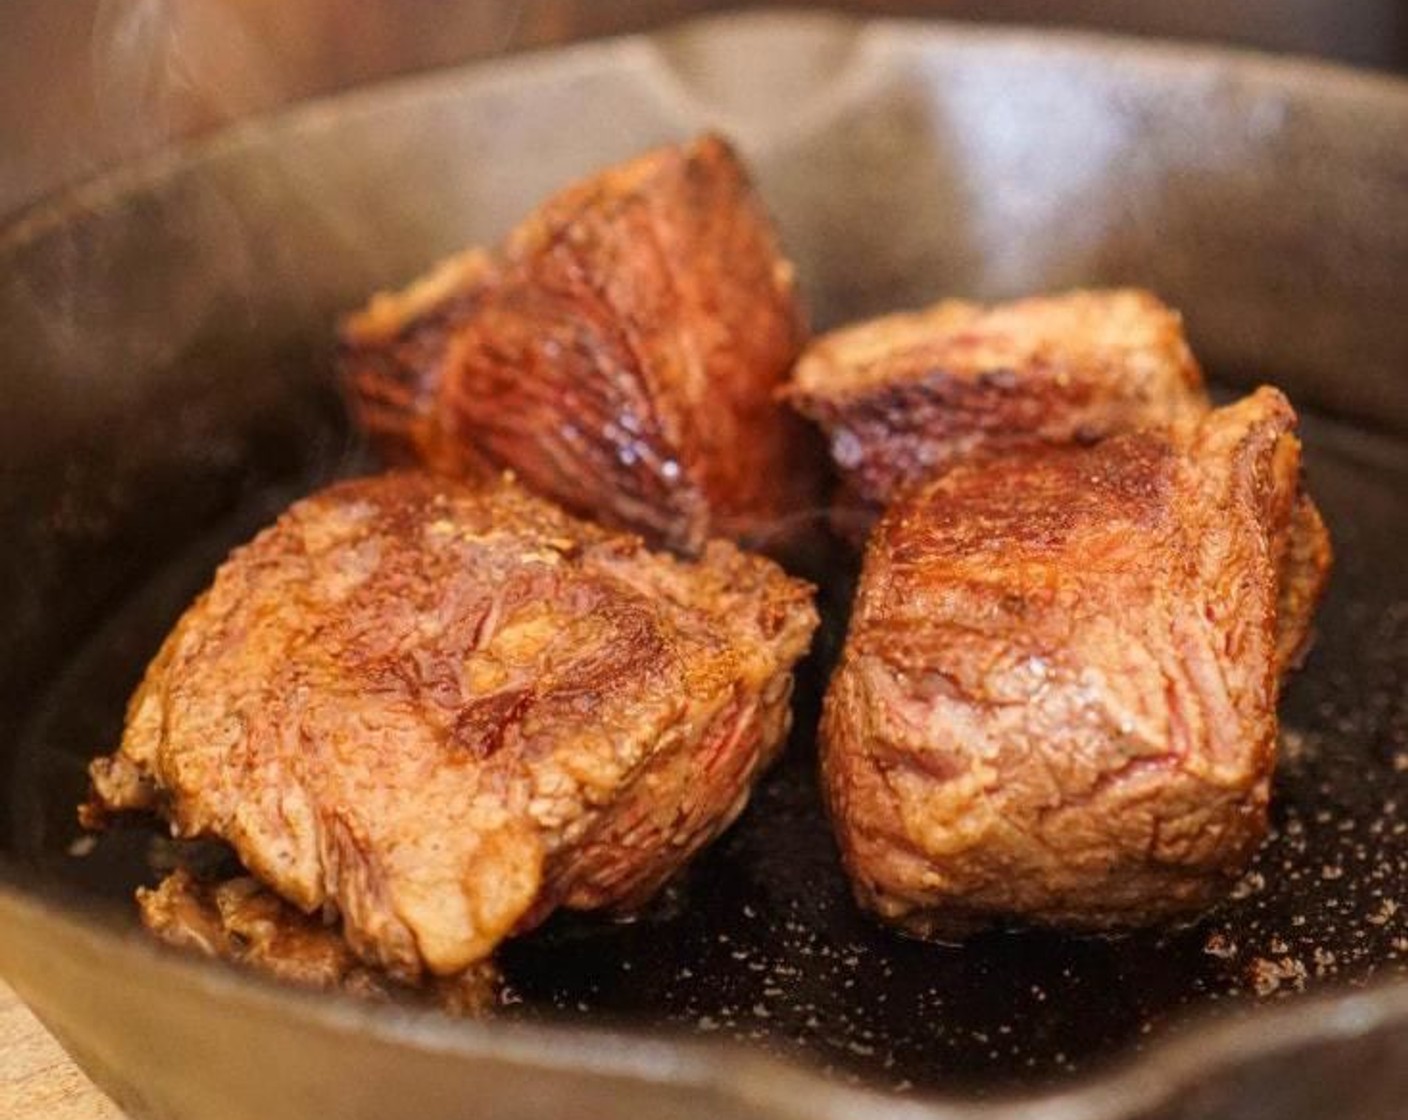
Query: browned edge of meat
pixel 906 396
pixel 1057 701
pixel 440 710
pixel 1306 563
pixel 620 351
pixel 240 921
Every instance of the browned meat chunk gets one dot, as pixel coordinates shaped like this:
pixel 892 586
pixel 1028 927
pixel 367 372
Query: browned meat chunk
pixel 441 711
pixel 907 396
pixel 242 922
pixel 1057 701
pixel 621 352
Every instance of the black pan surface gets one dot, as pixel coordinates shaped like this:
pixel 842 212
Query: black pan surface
pixel 168 333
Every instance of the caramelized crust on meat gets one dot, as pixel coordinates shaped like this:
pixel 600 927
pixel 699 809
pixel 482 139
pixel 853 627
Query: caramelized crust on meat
pixel 1057 700
pixel 907 396
pixel 442 711
pixel 620 352
pixel 1305 563
pixel 242 922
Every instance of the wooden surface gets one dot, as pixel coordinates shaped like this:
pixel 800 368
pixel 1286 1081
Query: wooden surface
pixel 37 1079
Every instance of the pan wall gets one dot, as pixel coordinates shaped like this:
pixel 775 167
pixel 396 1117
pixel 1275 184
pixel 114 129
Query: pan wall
pixel 89 83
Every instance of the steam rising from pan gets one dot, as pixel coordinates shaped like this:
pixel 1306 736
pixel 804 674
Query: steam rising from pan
pixel 163 69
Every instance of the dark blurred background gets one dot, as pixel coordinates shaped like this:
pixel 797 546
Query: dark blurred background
pixel 88 83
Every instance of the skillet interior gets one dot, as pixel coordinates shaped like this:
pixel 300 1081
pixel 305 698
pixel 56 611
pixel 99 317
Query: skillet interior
pixel 166 337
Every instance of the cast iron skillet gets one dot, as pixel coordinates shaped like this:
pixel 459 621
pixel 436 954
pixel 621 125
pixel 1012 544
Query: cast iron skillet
pixel 165 340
